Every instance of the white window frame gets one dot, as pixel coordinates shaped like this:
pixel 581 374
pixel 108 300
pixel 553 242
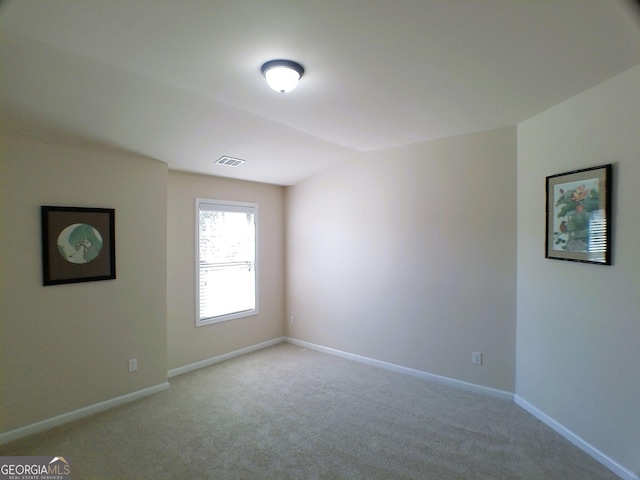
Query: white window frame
pixel 229 206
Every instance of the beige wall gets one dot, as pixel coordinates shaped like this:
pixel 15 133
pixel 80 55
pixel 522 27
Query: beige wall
pixel 186 343
pixel 64 347
pixel 408 256
pixel 578 336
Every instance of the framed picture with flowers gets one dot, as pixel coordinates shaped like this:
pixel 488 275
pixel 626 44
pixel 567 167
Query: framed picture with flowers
pixel 578 216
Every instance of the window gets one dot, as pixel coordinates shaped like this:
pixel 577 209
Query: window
pixel 226 254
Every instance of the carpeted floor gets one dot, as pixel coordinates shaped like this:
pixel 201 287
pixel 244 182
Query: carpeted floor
pixel 290 413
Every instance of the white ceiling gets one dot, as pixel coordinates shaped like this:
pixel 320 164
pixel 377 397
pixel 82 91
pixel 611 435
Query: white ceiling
pixel 180 81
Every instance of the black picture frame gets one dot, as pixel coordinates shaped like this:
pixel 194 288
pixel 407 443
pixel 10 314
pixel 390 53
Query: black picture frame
pixel 578 215
pixel 78 244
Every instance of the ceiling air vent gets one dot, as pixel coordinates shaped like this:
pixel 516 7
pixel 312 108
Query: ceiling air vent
pixel 229 161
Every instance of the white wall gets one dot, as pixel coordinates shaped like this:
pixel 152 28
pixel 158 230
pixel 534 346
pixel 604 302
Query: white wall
pixel 65 347
pixel 186 343
pixel 408 256
pixel 578 338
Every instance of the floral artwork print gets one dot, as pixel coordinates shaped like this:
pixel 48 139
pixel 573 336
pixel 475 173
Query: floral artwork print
pixel 578 215
pixel 577 210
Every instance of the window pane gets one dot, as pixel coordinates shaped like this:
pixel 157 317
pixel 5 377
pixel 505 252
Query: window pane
pixel 226 260
pixel 226 289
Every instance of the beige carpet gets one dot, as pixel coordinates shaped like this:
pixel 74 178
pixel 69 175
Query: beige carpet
pixel 289 413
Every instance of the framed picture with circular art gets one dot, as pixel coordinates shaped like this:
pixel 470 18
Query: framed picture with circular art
pixel 78 245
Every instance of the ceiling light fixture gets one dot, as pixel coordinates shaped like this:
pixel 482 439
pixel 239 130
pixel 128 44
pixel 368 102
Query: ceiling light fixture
pixel 282 75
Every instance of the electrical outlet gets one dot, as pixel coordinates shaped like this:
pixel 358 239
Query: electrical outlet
pixel 133 364
pixel 477 358
pixel 292 320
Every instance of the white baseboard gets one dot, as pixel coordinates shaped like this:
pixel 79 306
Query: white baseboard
pixel 48 423
pixel 221 358
pixel 611 464
pixel 80 413
pixel 608 462
pixel 472 387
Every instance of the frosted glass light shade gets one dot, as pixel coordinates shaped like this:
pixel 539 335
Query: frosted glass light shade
pixel 282 75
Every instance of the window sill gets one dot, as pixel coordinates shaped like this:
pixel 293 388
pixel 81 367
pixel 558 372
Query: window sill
pixel 225 318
